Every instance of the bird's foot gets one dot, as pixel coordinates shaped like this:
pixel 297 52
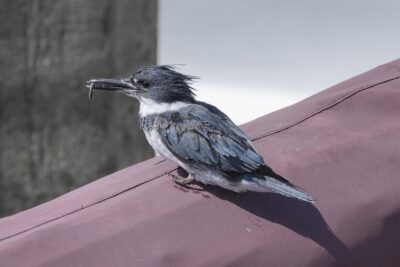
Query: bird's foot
pixel 184 179
pixel 181 180
pixel 187 182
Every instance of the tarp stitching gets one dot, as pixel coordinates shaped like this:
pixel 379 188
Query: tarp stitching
pixel 325 107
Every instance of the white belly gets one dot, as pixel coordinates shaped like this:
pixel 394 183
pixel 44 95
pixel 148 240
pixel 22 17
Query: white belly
pixel 154 140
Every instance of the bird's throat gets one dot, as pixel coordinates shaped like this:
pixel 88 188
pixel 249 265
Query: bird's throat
pixel 150 107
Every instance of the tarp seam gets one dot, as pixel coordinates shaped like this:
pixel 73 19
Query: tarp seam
pixel 87 206
pixel 323 108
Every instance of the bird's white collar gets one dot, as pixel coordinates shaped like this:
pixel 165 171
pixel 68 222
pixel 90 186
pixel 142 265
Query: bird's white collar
pixel 148 107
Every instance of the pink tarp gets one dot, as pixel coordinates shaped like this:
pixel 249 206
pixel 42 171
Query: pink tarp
pixel 341 145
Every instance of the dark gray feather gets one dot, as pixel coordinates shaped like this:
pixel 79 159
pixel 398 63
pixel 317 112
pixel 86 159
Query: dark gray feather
pixel 202 134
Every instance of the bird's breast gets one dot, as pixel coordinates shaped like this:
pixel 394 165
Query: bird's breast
pixel 154 139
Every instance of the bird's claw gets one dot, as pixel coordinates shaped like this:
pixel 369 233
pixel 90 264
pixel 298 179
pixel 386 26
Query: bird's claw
pixel 185 181
pixel 181 180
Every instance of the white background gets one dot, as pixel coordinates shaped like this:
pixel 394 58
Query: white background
pixel 255 57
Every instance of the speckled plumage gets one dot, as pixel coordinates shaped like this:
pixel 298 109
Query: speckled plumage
pixel 198 136
pixel 209 146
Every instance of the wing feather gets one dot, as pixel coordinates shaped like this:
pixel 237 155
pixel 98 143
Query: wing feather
pixel 197 134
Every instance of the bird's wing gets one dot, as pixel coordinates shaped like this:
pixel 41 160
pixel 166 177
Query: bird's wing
pixel 200 134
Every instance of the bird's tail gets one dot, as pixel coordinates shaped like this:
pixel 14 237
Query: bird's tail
pixel 276 186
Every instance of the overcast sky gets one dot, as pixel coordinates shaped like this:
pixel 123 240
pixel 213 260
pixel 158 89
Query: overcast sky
pixel 257 56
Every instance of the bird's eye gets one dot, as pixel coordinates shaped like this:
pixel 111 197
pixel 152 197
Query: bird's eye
pixel 142 83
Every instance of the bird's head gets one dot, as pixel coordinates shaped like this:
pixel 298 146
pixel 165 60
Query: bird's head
pixel 159 83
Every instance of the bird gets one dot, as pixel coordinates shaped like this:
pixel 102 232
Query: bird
pixel 202 140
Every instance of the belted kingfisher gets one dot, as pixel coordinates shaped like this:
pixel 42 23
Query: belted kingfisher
pixel 197 136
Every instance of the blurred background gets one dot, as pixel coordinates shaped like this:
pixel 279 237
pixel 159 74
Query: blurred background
pixel 253 57
pixel 52 138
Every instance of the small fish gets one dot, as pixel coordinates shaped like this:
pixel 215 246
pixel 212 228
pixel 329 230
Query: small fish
pixel 91 87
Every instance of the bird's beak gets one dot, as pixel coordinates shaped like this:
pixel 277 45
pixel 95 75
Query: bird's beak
pixel 123 85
